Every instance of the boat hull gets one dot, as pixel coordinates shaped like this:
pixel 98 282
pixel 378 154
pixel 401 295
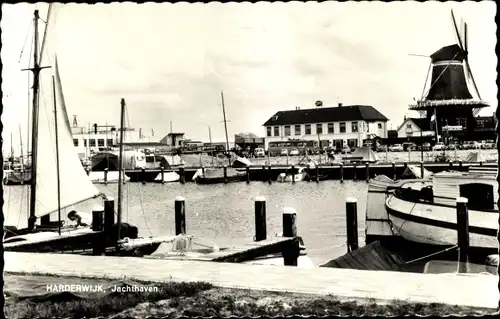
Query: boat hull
pixel 436 225
pixel 219 180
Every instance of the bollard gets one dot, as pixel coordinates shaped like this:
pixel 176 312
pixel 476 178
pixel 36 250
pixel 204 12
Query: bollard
pixel 317 174
pixel 463 234
pixel 354 170
pixel 162 172
pixel 290 252
pixel 480 163
pixel 260 219
pixel 351 211
pixel 183 175
pixel 341 172
pixel 451 164
pixel 394 172
pixel 105 176
pixel 248 174
pixel 225 174
pixel 367 172
pixel 109 215
pixel 143 173
pixel 269 173
pixel 293 174
pixel 98 242
pixel 421 169
pixel 180 215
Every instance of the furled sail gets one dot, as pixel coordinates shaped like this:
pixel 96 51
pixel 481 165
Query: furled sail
pixel 76 186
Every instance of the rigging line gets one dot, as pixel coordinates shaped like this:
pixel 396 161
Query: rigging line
pixel 142 208
pixel 442 72
pixel 25 41
pixel 433 254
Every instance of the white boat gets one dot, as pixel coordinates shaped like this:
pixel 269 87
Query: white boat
pixel 168 177
pixel 98 177
pixel 425 211
pixel 289 176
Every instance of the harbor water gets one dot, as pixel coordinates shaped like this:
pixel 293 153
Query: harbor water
pixel 224 214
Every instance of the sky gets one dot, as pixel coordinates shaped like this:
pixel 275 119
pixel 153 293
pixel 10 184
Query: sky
pixel 171 61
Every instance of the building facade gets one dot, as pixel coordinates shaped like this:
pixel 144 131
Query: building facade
pixel 334 126
pixel 413 128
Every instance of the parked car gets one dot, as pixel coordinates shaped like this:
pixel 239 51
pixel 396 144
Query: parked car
pixel 259 152
pixel 470 145
pixel 439 146
pixel 452 146
pixel 426 146
pixel 381 148
pixel 346 150
pixel 284 152
pixel 294 152
pixel 396 148
pixel 489 144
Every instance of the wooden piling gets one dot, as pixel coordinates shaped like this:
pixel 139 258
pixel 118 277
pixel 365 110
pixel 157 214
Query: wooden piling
pixel 317 173
pixel 109 215
pixel 143 173
pixel 460 163
pixel 355 168
pixel 405 165
pixel 421 169
pixel 451 164
pixel 225 174
pixel 269 174
pixel 98 242
pixel 180 215
pixel 351 224
pixel 341 173
pixel 394 172
pixel 202 171
pixel 162 172
pixel 183 175
pixel 292 251
pixel 480 163
pixel 293 174
pixel 463 234
pixel 367 172
pixel 263 173
pixel 260 219
pixel 248 174
pixel 106 176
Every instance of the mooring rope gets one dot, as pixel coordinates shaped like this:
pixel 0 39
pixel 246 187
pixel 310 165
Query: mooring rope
pixel 433 254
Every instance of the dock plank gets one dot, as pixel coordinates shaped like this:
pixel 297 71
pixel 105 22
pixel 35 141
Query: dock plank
pixel 477 290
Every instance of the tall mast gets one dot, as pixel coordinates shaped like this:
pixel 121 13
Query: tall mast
pixel 225 124
pixel 120 166
pixel 22 152
pixel 34 133
pixel 210 139
pixel 57 158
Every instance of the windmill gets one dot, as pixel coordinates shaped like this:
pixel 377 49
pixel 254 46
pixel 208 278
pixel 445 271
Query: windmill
pixel 448 97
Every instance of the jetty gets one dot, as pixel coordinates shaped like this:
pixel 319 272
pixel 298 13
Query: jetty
pixel 348 284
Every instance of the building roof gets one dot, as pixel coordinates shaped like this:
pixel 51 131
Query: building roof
pixel 326 114
pixel 422 123
pixel 175 134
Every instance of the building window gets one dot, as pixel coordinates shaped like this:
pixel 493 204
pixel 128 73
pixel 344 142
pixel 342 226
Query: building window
pixel 75 141
pixel 480 124
pixel 92 142
pixel 298 131
pixel 287 130
pixel 319 128
pixel 100 142
pixel 269 131
pixel 330 128
pixel 342 127
pixel 85 142
pixel 379 126
pixel 352 143
pixel 408 126
pixel 354 127
pixel 457 121
pixel 368 127
pixel 308 129
pixel 276 131
pixel 109 142
pixel 464 122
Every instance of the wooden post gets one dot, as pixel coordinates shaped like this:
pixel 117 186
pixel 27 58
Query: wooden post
pixel 225 174
pixel 180 215
pixel 317 173
pixel 463 234
pixel 291 252
pixel 480 163
pixel 143 171
pixel 352 224
pixel 109 215
pixel 293 174
pixel 202 171
pixel 105 176
pixel 460 163
pixel 248 174
pixel 269 173
pixel 98 242
pixel 183 175
pixel 394 172
pixel 260 219
pixel 341 173
pixel 354 170
pixel 367 172
pixel 162 172
pixel 421 169
pixel 451 164
pixel 405 165
pixel 264 173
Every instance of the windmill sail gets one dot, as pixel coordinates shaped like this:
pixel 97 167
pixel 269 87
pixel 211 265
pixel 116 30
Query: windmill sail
pixel 76 187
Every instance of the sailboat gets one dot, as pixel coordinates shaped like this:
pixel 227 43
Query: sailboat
pixel 215 175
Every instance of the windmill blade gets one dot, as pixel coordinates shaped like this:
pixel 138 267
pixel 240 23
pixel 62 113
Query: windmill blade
pixel 472 78
pixel 465 37
pixel 421 55
pixel 456 30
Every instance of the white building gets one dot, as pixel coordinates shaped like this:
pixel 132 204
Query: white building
pixel 414 128
pixel 334 126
